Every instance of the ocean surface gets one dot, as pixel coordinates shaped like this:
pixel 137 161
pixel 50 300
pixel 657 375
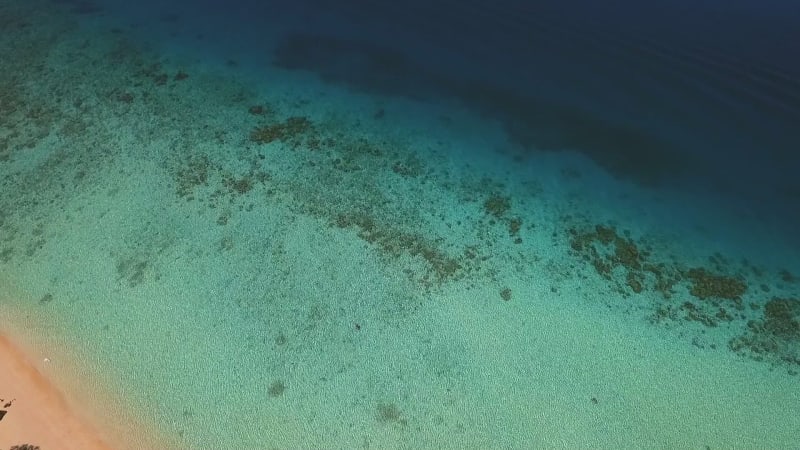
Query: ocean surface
pixel 425 224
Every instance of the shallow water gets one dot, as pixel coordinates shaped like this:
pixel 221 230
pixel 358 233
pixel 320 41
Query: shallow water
pixel 359 225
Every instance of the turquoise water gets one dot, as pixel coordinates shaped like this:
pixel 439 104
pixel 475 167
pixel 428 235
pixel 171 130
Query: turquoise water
pixel 280 239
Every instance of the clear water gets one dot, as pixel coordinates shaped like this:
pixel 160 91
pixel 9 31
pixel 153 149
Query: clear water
pixel 412 225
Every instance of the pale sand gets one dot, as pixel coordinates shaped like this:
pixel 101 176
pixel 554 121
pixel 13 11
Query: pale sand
pixel 43 414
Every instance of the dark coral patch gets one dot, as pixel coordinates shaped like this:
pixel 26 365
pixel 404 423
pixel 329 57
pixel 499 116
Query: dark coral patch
pixel 290 130
pixel 776 336
pixel 706 284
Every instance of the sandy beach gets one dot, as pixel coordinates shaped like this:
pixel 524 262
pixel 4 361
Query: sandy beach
pixel 36 412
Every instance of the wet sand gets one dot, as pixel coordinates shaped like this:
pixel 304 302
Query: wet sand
pixel 38 413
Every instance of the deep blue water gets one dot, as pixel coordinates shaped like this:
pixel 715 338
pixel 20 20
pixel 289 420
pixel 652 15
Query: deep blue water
pixel 698 95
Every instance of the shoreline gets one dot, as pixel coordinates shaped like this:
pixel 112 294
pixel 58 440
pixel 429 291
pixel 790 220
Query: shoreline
pixel 53 406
